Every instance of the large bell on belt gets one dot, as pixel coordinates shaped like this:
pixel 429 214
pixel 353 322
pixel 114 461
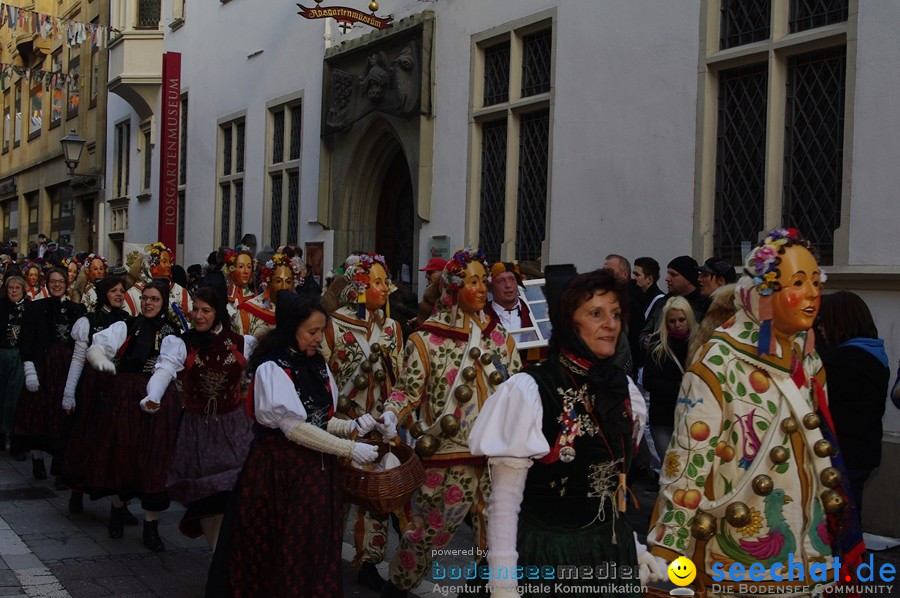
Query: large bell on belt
pixel 704 526
pixel 486 358
pixel 416 430
pixel 375 348
pixel 778 454
pixel 373 358
pixel 450 424
pixel 344 405
pixel 360 382
pixel 737 514
pixel 463 393
pixel 380 376
pixel 365 366
pixel 468 373
pixel 822 448
pixel 763 485
pixel 832 501
pixel 427 445
pixel 830 477
pixel 495 378
pixel 789 425
pixel 811 421
pixel 474 352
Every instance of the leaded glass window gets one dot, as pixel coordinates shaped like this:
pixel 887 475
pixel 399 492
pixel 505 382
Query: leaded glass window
pixel 536 52
pixel 278 136
pixel 813 146
pixel 744 22
pixel 232 182
pixel 275 232
pixel 740 160
pixel 531 212
pixel 238 211
pixel 809 14
pixel 496 74
pixel 225 224
pixel 493 188
pixel 293 206
pixel 284 173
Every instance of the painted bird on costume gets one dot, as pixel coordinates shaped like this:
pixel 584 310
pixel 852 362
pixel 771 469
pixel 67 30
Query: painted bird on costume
pixel 818 532
pixel 772 548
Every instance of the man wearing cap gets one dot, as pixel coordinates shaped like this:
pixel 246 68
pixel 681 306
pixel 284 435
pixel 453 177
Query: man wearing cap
pixel 714 273
pixel 433 269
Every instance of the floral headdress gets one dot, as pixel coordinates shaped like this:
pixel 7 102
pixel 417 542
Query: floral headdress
pixel 68 261
pixel 153 253
pixel 277 261
pixel 90 258
pixel 452 277
pixel 231 256
pixel 762 267
pixel 356 271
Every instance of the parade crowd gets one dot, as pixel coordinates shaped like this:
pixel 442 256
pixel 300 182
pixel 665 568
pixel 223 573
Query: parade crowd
pixel 246 391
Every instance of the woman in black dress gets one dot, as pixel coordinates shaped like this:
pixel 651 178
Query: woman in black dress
pixel 12 309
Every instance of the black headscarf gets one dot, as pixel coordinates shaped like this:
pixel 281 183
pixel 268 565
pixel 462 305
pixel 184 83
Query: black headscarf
pixel 213 292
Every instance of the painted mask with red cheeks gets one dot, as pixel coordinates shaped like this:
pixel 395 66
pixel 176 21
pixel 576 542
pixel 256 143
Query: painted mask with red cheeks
pixel 243 270
pixel 96 270
pixel 377 291
pixel 32 277
pixel 73 272
pixel 164 268
pixel 473 294
pixel 282 280
pixel 795 306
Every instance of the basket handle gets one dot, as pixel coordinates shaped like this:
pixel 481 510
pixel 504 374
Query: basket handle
pixel 354 435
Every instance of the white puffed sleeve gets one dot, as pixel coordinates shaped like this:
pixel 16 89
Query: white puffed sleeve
pixel 172 354
pixel 638 409
pixel 81 331
pixel 275 399
pixel 249 344
pixel 111 339
pixel 510 422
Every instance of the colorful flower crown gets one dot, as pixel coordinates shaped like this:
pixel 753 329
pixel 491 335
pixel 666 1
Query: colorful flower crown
pixel 356 271
pixel 68 261
pixel 153 253
pixel 231 256
pixel 762 263
pixel 280 260
pixel 90 258
pixel 452 277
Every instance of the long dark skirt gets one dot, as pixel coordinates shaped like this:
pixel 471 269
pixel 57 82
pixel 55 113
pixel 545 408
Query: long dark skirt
pixel 11 383
pixel 209 455
pixel 39 415
pixel 282 532
pixel 133 450
pixel 81 427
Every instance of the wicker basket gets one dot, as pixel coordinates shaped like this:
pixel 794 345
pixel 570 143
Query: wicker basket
pixel 383 492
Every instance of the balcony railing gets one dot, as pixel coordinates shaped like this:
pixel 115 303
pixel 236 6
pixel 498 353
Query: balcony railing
pixel 148 14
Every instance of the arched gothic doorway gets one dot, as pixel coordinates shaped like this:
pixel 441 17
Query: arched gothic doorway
pixel 395 223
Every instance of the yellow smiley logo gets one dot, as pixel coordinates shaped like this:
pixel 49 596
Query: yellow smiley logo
pixel 682 571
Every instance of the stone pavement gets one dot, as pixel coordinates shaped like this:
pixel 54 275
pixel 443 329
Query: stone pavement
pixel 47 552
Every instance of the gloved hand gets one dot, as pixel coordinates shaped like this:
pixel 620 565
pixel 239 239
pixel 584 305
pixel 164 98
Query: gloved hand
pixel 365 423
pixel 388 426
pixel 653 568
pixel 96 356
pixel 31 377
pixel 148 405
pixel 68 403
pixel 364 453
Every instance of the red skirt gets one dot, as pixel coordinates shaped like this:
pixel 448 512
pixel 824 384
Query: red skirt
pixel 81 426
pixel 132 450
pixel 39 415
pixel 287 523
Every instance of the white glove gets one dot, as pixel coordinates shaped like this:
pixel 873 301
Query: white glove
pixel 364 453
pixel 68 403
pixel 75 369
pixel 507 487
pixel 388 427
pixel 31 378
pixel 148 405
pixel 96 356
pixel 365 423
pixel 653 568
pixel 156 388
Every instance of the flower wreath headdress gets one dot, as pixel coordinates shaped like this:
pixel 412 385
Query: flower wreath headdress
pixel 153 253
pixel 356 271
pixel 762 267
pixel 231 256
pixel 453 276
pixel 68 261
pixel 279 260
pixel 86 266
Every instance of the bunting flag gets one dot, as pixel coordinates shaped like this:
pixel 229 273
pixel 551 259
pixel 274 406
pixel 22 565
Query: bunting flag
pixel 55 79
pixel 47 26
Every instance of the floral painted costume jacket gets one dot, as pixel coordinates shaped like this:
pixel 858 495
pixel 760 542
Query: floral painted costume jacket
pixel 749 459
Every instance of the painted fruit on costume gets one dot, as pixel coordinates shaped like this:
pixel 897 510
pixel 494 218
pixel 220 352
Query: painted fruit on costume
pixel 759 381
pixel 699 431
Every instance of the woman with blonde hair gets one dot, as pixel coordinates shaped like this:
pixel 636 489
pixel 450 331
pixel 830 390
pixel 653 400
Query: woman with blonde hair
pixel 665 367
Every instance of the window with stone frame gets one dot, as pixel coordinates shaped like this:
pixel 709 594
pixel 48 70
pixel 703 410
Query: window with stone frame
pixel 283 154
pixel 56 89
pixel 778 108
pixel 512 93
pixel 122 148
pixel 230 210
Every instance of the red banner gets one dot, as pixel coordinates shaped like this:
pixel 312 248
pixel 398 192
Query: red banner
pixel 169 130
pixel 345 15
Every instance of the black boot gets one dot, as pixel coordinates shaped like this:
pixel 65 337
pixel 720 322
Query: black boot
pixel 128 517
pixel 369 577
pixel 391 591
pixel 116 529
pixel 37 469
pixel 151 536
pixel 76 502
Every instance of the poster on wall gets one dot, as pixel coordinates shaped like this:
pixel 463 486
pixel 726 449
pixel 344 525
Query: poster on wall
pixel 315 256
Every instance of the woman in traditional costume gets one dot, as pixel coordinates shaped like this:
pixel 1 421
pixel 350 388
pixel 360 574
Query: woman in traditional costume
pixel 364 352
pixel 256 316
pixel 34 279
pixel 286 511
pixel 80 401
pixel 12 311
pixel 239 272
pixel 454 361
pixel 136 439
pixel 72 267
pixel 94 269
pixel 753 472
pixel 47 347
pixel 157 263
pixel 559 438
pixel 215 431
